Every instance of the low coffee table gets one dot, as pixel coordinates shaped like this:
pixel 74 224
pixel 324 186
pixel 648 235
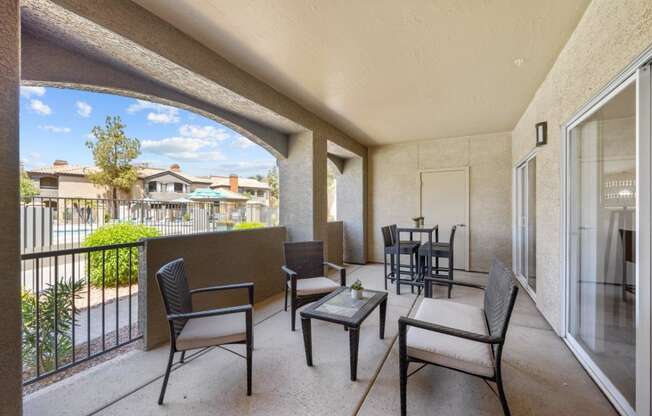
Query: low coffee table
pixel 339 308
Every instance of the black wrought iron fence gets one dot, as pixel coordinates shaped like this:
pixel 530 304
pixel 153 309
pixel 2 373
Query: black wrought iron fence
pixel 53 222
pixel 78 303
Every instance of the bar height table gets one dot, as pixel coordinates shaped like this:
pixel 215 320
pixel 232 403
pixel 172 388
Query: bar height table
pixel 424 229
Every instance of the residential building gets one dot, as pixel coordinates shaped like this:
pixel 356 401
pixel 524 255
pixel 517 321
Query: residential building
pixel 63 180
pixel 257 191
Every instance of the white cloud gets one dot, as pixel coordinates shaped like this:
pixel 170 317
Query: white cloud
pixel 183 148
pixel 84 109
pixel 199 157
pixel 163 114
pixel 55 129
pixel 28 92
pixel 40 107
pixel 242 142
pixel 245 168
pixel 203 132
pixel 163 118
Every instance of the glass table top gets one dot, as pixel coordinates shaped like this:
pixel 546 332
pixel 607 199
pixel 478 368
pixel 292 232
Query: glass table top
pixel 343 304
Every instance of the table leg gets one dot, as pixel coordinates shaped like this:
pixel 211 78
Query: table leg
pixel 307 339
pixel 429 266
pixel 354 340
pixel 383 312
pixel 398 262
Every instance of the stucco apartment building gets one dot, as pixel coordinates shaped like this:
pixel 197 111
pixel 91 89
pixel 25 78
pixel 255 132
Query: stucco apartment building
pixel 63 180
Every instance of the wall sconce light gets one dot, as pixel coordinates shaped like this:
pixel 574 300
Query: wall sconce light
pixel 542 133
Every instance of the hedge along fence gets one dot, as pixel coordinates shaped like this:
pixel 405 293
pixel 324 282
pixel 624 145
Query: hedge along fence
pixel 117 264
pixel 248 225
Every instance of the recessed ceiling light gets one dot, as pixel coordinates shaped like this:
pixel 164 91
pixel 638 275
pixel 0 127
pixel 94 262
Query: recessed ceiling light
pixel 519 61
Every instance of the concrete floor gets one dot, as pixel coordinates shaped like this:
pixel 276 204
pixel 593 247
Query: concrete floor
pixel 541 375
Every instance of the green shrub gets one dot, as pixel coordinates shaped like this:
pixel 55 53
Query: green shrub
pixel 46 329
pixel 248 225
pixel 105 264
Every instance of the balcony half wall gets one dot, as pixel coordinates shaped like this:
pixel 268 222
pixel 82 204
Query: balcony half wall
pixel 210 259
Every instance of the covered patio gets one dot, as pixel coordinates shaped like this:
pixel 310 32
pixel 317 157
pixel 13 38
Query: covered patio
pixel 517 131
pixel 542 377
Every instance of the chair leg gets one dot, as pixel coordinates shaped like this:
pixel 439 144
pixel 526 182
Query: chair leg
pixel 285 308
pixel 167 376
pixel 501 393
pixel 293 312
pixel 183 357
pixel 385 269
pixel 412 272
pixel 450 274
pixel 403 367
pixel 250 351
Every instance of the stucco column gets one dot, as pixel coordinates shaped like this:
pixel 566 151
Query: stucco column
pixel 10 325
pixel 351 203
pixel 302 181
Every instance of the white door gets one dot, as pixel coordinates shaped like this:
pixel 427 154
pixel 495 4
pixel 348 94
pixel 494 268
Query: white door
pixel 444 201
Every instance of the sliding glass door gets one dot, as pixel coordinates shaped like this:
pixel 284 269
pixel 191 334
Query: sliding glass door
pixel 607 320
pixel 526 219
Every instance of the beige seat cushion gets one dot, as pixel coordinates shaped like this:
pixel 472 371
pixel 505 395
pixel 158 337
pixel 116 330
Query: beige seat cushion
pixel 212 330
pixel 314 285
pixel 446 350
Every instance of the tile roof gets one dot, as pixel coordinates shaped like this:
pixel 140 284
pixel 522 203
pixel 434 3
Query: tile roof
pixel 143 172
pixel 223 181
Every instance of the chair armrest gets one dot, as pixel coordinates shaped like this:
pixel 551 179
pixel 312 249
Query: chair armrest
pixel 340 269
pixel 333 265
pixel 453 282
pixel 246 285
pixel 289 272
pixel 211 312
pixel 404 322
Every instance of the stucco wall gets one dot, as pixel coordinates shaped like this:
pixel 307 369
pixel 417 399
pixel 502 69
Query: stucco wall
pixel 10 324
pixel 302 184
pixel 81 187
pixel 336 242
pixel 609 36
pixel 394 187
pixel 351 193
pixel 211 259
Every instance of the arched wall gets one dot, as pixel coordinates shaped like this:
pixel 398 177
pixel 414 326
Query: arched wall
pixel 44 63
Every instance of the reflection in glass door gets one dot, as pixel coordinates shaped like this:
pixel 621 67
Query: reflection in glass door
pixel 602 242
pixel 526 219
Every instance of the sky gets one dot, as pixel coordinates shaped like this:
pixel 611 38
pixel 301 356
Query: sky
pixel 56 123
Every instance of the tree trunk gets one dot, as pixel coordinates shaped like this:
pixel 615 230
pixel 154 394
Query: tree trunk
pixel 115 203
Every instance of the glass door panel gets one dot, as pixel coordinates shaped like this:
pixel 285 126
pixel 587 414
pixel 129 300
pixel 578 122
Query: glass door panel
pixel 602 240
pixel 526 263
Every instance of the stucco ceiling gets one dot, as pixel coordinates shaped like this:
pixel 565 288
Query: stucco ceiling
pixel 386 71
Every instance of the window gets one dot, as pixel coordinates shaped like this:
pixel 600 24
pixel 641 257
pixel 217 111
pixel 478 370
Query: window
pixel 151 186
pixel 178 187
pixel 48 183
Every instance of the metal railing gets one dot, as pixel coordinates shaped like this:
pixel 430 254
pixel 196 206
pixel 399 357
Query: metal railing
pixel 78 303
pixel 52 222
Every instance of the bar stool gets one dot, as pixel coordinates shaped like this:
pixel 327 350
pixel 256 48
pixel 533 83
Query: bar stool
pixel 439 250
pixel 407 247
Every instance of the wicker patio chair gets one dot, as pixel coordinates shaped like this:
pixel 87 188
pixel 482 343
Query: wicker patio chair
pixel 461 337
pixel 440 250
pixel 407 247
pixel 304 275
pixel 191 329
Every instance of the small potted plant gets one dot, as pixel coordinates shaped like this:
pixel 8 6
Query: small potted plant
pixel 356 290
